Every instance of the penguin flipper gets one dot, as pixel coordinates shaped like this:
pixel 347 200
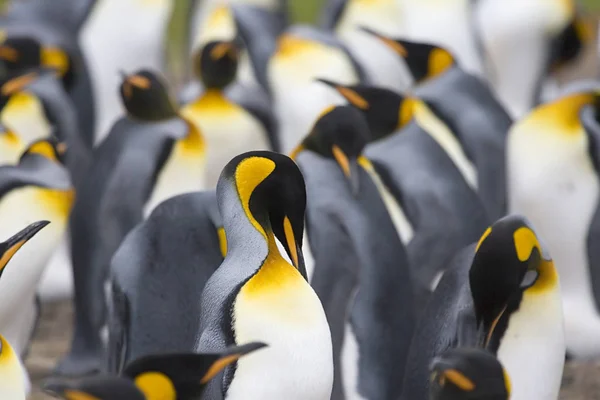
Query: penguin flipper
pixel 118 328
pixel 256 102
pixel 69 14
pixel 331 14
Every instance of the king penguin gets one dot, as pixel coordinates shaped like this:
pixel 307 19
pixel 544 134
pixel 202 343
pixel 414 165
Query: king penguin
pixel 521 41
pixel 347 17
pixel 14 382
pixel 38 187
pixel 232 121
pixel 124 35
pixel 553 166
pixel 256 295
pixel 468 373
pixel 501 294
pixel 163 264
pixel 361 272
pixel 11 146
pixel 55 28
pixel 303 54
pixel 151 154
pixel 167 376
pixel 441 207
pixel 468 108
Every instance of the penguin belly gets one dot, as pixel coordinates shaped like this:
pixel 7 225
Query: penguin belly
pixel 12 374
pixel 447 140
pixel 57 280
pixel 298 364
pixel 24 114
pixel 532 349
pixel 349 359
pixel 20 279
pixel 228 129
pixel 183 172
pixel 122 35
pixel 560 197
pixel 11 148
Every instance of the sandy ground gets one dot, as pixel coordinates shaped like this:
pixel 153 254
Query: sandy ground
pixel 581 381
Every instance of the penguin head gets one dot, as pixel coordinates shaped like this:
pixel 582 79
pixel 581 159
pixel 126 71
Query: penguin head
pixel 182 376
pixel 509 264
pixel 468 374
pixel 99 387
pixel 569 44
pixel 22 53
pixel 340 133
pixel 216 64
pixel 270 188
pixel 386 111
pixel 10 247
pixel 146 96
pixel 424 60
pixel 50 148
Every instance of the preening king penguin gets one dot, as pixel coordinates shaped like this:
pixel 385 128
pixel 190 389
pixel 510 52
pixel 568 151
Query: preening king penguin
pixel 444 212
pixel 523 42
pixel 157 277
pixel 232 121
pixel 361 267
pixel 256 295
pixel 13 376
pixel 502 294
pixel 168 376
pixel 46 35
pixel 124 35
pixel 468 373
pixel 150 154
pixel 303 54
pixel 553 167
pixel 347 17
pixel 38 187
pixel 470 111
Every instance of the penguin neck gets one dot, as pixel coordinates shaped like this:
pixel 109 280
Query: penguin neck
pixel 213 97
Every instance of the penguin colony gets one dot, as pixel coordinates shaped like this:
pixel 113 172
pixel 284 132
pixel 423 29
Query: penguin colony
pixel 400 203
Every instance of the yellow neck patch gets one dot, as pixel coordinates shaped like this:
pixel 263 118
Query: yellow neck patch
pixel 561 115
pixel 156 386
pixel 439 61
pixel 290 46
pixel 71 394
pixel 406 111
pixel 44 149
pixel 56 58
pixel 525 241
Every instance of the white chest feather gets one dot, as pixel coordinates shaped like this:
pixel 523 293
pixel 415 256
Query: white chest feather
pixel 533 347
pixel 288 315
pixel 24 114
pixel 122 35
pixel 448 141
pixel 349 361
pixel 553 183
pixel 12 374
pixel 183 172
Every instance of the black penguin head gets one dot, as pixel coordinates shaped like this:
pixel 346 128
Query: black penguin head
pixel 21 53
pixel 340 133
pixel 9 247
pixel 509 261
pixel 216 64
pixel 146 97
pixel 386 111
pixel 99 387
pixel 184 375
pixel 271 190
pixel 425 61
pixel 569 44
pixel 468 374
pixel 50 148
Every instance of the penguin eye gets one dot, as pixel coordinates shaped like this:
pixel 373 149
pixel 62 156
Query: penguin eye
pixel 529 279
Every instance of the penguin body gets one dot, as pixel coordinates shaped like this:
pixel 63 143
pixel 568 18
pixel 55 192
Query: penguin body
pixel 557 188
pixel 150 155
pixel 37 188
pixel 187 229
pixel 361 267
pixel 124 35
pixel 55 28
pixel 232 121
pixel 503 295
pixel 256 293
pixel 11 146
pixel 303 54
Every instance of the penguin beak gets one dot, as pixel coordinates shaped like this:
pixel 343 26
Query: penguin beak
pixel 231 355
pixel 293 247
pixel 223 49
pixel 391 43
pixel 351 95
pixel 443 371
pixel 9 54
pixel 10 247
pixel 349 167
